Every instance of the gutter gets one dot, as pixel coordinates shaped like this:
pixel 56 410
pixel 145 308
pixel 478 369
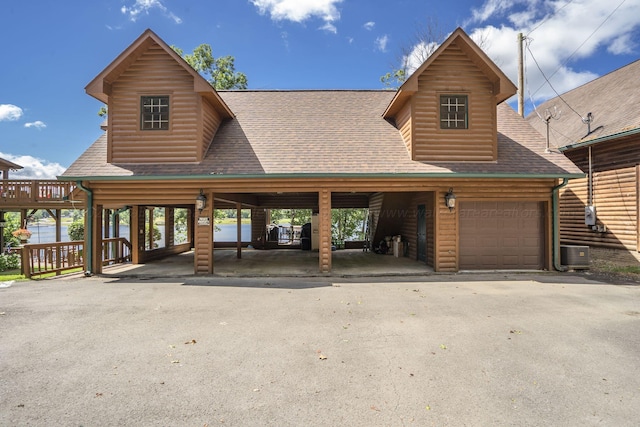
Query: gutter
pixel 89 240
pixel 221 176
pixel 601 139
pixel 556 226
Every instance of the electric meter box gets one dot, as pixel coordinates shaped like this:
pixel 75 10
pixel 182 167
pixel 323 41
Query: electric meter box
pixel 590 215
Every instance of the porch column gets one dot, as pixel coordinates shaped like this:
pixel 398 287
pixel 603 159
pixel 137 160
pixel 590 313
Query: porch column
pixel 106 218
pixel 239 230
pixel 56 214
pixel 169 226
pixel 150 238
pixel 324 217
pixel 98 254
pixel 134 231
pixel 203 237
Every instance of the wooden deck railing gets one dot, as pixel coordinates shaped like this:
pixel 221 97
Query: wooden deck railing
pixel 115 250
pixel 46 258
pixel 17 191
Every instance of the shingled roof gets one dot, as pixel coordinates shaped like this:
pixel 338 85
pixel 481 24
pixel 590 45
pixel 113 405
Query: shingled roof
pixel 612 99
pixel 326 133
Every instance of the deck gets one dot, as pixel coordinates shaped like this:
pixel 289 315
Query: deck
pixel 37 194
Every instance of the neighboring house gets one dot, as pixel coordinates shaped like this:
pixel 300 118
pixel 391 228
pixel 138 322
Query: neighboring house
pixel 597 126
pixel 173 141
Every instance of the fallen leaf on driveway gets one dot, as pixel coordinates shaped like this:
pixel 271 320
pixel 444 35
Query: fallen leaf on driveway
pixel 191 342
pixel 175 361
pixel 322 357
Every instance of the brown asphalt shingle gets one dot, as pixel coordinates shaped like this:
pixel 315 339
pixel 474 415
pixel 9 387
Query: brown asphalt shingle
pixel 328 132
pixel 612 99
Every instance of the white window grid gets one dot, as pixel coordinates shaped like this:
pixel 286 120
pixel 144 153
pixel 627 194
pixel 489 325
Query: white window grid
pixel 455 108
pixel 155 113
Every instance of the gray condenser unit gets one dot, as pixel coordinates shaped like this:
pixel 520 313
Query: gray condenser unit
pixel 576 257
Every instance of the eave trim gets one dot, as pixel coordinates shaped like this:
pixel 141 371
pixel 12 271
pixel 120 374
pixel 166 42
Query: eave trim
pixel 222 177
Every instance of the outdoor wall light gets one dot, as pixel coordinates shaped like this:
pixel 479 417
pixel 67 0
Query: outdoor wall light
pixel 201 201
pixel 450 199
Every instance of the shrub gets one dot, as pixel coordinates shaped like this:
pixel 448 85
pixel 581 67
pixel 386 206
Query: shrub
pixel 9 262
pixel 76 230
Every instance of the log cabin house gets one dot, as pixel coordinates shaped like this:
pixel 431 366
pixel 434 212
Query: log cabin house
pixel 597 126
pixel 171 141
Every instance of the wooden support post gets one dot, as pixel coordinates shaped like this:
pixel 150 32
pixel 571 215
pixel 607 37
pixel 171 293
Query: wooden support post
pixel 324 203
pixel 150 240
pixel 203 238
pixel 106 232
pixel 134 228
pixel 239 230
pixel 98 254
pixel 169 227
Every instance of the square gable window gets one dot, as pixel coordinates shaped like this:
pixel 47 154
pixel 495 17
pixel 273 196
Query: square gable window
pixel 154 113
pixel 454 112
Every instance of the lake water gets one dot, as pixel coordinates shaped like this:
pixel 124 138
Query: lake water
pixel 47 233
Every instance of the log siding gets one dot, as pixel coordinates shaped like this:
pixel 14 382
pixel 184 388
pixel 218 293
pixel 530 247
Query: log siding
pixel 454 73
pixel 155 73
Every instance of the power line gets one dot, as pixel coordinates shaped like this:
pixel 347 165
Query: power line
pixel 579 47
pixel 549 83
pixel 549 17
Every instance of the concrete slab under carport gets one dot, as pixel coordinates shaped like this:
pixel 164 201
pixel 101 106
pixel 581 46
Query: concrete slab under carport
pixel 276 262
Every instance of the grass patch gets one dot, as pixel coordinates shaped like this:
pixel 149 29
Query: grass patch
pixel 63 272
pixel 233 221
pixel 6 276
pixel 625 269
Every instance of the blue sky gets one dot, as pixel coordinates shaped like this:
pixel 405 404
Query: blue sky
pixel 52 49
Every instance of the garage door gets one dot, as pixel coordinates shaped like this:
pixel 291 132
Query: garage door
pixel 501 235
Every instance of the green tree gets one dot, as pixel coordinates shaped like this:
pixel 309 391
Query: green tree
pixel 293 216
pixel 12 223
pixel 426 39
pixel 75 230
pixel 220 72
pixel 347 224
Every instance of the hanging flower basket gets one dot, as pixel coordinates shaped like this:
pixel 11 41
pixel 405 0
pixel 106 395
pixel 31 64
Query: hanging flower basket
pixel 23 234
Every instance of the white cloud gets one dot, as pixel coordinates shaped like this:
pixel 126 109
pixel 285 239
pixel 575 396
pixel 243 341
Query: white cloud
pixel 10 112
pixel 301 10
pixel 381 43
pixel 34 168
pixel 560 34
pixel 329 27
pixel 37 124
pixel 144 6
pixel 622 45
pixel 369 25
pixel 419 53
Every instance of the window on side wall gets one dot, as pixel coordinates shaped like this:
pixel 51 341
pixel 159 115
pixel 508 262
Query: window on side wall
pixel 154 113
pixel 454 112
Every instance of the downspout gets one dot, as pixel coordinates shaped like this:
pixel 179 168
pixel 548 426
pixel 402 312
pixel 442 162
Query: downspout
pixel 556 225
pixel 89 242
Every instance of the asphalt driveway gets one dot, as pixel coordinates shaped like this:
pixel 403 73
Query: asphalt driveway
pixel 495 349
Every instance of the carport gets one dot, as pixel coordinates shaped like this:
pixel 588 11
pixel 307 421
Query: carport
pixel 275 263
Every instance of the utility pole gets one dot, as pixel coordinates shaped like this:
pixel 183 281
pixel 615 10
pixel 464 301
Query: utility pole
pixel 520 75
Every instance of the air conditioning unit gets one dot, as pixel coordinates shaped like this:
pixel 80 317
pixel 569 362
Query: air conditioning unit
pixel 574 257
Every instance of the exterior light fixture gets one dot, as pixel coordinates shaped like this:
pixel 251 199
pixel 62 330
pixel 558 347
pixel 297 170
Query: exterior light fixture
pixel 201 201
pixel 450 199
